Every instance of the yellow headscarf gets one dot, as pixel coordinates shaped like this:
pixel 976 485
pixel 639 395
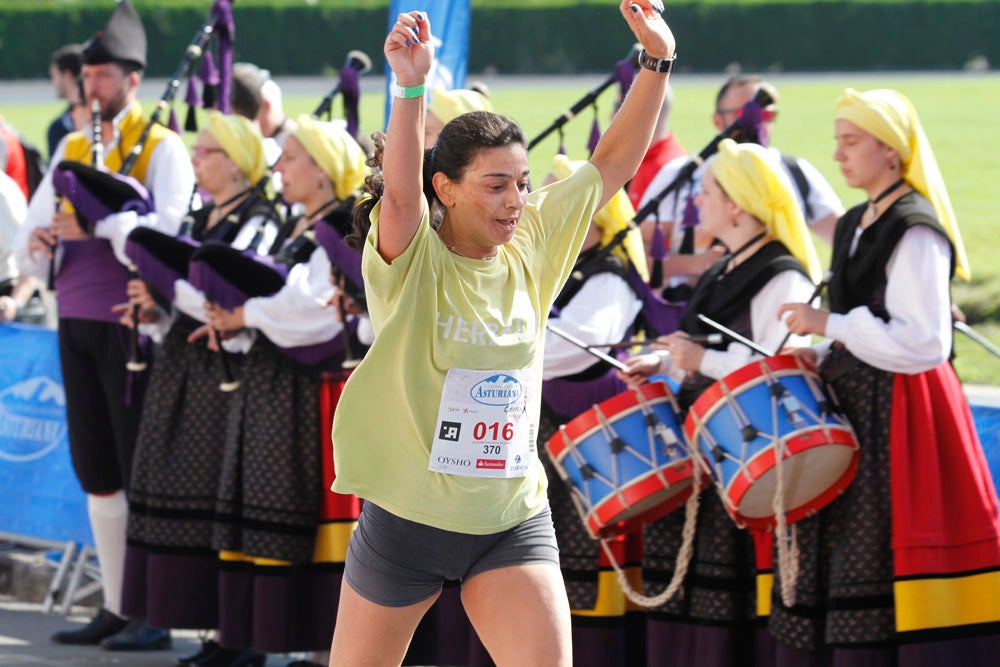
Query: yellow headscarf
pixel 335 151
pixel 889 117
pixel 242 142
pixel 450 104
pixel 760 187
pixel 611 219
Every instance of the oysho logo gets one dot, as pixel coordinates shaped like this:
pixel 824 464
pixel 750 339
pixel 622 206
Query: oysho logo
pixel 32 419
pixel 497 390
pixel 451 461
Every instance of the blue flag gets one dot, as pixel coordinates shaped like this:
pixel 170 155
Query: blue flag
pixel 450 20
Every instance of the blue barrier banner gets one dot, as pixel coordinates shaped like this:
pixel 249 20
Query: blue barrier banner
pixel 39 494
pixel 987 418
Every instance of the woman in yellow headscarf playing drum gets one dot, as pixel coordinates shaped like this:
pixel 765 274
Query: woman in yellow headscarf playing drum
pixel 909 556
pixel 746 202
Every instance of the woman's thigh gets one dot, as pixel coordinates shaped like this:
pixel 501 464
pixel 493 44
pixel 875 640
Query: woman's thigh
pixel 521 614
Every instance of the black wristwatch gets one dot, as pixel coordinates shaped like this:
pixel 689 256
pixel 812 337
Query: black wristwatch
pixel 658 65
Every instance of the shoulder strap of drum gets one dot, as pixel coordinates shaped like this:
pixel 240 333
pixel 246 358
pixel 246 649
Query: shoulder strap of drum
pixel 591 263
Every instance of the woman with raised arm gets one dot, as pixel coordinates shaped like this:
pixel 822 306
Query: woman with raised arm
pixel 904 568
pixel 436 427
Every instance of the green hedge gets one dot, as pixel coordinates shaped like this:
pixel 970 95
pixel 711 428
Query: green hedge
pixel 519 36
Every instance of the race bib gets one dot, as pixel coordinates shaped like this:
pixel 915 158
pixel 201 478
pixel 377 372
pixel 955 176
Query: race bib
pixel 483 427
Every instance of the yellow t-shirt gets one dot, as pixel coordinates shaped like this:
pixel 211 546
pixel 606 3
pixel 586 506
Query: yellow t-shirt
pixel 433 311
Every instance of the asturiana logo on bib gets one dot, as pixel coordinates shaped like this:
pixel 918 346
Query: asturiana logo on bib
pixel 497 390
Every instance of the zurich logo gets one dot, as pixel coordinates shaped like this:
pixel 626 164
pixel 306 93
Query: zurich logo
pixel 32 419
pixel 497 390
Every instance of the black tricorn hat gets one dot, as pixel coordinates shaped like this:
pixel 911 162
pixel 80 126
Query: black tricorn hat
pixel 123 40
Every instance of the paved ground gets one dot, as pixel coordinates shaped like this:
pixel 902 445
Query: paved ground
pixel 24 642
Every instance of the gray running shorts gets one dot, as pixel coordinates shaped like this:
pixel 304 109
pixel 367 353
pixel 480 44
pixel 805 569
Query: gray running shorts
pixel 394 562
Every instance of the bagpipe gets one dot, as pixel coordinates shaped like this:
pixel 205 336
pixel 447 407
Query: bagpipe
pixel 229 277
pixel 744 128
pixel 219 24
pixel 95 192
pixel 660 316
pixel 358 63
pixel 217 272
pixel 623 75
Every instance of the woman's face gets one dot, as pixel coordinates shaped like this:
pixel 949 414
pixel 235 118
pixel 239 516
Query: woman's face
pixel 864 160
pixel 486 204
pixel 301 177
pixel 715 209
pixel 213 168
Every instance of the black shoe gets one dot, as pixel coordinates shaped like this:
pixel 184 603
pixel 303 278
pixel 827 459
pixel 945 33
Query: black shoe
pixel 232 657
pixel 249 658
pixel 137 636
pixel 103 625
pixel 208 647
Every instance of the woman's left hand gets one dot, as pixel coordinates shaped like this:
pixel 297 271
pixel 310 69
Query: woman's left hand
pixel 647 24
pixel 685 354
pixel 410 49
pixel 803 319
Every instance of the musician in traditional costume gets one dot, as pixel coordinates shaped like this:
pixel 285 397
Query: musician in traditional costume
pixel 683 249
pixel 171 568
pixel 599 306
pixel 904 568
pixel 103 403
pixel 747 203
pixel 282 535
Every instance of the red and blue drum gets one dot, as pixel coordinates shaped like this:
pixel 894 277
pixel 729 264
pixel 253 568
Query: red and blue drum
pixel 625 460
pixel 774 405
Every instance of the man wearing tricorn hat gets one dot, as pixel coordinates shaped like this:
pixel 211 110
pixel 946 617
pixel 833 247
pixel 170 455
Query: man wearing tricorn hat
pixel 102 402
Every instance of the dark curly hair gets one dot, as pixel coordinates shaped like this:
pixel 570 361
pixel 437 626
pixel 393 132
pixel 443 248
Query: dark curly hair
pixel 456 148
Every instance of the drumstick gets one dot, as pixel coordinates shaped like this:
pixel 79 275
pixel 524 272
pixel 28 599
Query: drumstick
pixel 583 346
pixel 816 292
pixel 976 336
pixel 735 336
pixel 704 339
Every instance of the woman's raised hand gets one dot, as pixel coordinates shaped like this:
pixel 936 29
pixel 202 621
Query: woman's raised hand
pixel 647 24
pixel 410 49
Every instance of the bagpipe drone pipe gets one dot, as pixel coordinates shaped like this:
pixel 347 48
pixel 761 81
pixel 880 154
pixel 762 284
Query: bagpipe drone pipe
pixel 358 63
pixel 96 192
pixel 623 75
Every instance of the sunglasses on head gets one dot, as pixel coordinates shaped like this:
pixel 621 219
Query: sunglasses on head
pixel 766 115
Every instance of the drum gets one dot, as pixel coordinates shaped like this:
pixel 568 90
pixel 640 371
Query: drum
pixel 777 404
pixel 625 460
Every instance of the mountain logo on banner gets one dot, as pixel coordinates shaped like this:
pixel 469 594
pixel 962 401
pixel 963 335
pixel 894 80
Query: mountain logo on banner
pixel 32 419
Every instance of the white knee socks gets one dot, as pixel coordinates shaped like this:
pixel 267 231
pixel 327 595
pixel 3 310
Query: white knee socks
pixel 108 520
